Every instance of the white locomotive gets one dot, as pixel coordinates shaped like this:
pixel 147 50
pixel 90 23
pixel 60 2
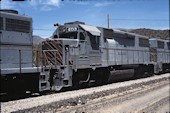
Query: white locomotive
pixel 80 54
pixel 16 45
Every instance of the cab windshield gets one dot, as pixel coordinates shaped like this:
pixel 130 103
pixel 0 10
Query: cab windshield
pixel 70 35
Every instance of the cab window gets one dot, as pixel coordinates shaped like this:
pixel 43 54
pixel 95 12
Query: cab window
pixel 71 35
pixel 94 41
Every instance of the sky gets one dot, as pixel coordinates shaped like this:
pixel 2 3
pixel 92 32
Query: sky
pixel 128 14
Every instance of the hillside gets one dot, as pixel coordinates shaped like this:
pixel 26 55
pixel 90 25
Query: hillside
pixel 37 39
pixel 162 34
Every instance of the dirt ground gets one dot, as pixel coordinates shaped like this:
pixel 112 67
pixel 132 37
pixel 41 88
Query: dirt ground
pixel 154 98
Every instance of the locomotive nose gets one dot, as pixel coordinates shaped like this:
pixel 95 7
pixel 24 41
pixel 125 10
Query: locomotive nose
pixel 53 52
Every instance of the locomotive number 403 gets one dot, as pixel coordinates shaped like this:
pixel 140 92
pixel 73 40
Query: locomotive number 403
pixel 71 29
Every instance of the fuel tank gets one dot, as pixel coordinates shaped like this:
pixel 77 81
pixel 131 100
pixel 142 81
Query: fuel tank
pixel 119 75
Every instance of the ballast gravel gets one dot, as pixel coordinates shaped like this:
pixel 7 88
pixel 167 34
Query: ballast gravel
pixel 46 103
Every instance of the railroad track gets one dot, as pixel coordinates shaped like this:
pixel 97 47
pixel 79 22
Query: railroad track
pixel 136 95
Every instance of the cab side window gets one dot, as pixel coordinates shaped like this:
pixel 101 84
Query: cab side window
pixel 82 37
pixel 94 41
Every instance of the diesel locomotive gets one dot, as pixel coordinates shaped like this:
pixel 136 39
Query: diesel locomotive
pixel 16 42
pixel 79 54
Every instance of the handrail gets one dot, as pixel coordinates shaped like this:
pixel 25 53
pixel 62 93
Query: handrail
pixel 20 60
